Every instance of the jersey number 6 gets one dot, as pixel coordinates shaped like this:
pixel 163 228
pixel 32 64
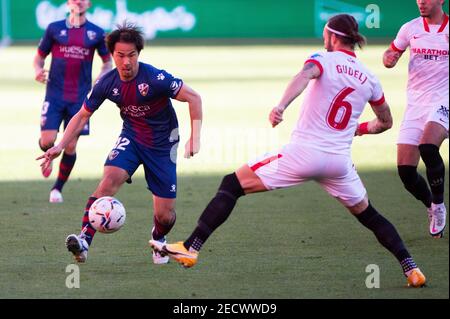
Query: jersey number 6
pixel 340 111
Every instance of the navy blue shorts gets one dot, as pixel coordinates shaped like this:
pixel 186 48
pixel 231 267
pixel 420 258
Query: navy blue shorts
pixel 160 167
pixel 55 111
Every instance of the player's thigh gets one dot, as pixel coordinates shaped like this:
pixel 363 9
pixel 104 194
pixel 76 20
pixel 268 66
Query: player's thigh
pixel 408 155
pixel 273 170
pixel 112 180
pixel 436 128
pixel 434 134
pixel 124 155
pixel 411 131
pixel 48 137
pixel 160 172
pixel 250 182
pixel 52 114
pixel 346 187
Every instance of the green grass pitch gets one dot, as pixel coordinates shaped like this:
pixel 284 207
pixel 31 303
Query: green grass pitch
pixel 293 243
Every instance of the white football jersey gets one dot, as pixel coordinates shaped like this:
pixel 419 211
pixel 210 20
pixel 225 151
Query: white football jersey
pixel 428 64
pixel 334 102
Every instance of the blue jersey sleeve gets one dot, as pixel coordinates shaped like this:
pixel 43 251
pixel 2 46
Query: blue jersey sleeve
pixel 166 84
pixel 46 43
pixel 102 50
pixel 96 97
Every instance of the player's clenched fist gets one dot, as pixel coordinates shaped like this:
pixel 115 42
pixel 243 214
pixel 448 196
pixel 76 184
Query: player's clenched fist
pixel 391 58
pixel 41 76
pixel 276 115
pixel 192 147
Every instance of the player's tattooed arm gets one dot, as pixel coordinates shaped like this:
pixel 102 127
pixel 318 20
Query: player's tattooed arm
pixel 297 85
pixel 381 123
pixel 391 57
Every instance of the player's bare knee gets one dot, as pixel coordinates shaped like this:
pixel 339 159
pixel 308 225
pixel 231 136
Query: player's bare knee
pixel 360 207
pixel 46 143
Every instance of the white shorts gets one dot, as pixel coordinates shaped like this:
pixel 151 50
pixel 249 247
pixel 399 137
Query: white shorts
pixel 295 164
pixel 411 131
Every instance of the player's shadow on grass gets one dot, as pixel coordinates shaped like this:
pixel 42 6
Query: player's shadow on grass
pixel 292 243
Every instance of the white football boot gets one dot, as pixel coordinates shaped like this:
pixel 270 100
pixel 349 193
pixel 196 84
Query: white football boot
pixel 55 196
pixel 78 247
pixel 159 259
pixel 437 223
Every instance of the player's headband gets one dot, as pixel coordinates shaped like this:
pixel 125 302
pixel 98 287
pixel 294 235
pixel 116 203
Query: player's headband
pixel 336 31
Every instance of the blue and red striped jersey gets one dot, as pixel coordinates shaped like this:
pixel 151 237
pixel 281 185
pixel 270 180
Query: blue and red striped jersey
pixel 144 102
pixel 72 49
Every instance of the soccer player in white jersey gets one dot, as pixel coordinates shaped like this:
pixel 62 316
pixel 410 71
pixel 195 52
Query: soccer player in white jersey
pixel 319 150
pixel 425 122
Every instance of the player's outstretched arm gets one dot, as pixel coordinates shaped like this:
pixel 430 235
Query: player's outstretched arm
pixel 73 129
pixel 297 85
pixel 391 57
pixel 194 100
pixel 381 123
pixel 39 71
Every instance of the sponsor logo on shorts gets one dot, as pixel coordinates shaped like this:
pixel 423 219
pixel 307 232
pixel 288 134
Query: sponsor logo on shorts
pixel 43 120
pixel 443 111
pixel 160 77
pixel 113 154
pixel 173 188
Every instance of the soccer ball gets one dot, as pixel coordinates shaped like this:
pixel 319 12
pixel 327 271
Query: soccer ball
pixel 107 214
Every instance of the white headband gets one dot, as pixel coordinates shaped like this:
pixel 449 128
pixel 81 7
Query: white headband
pixel 336 31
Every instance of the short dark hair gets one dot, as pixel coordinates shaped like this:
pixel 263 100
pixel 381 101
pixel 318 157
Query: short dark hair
pixel 347 24
pixel 126 33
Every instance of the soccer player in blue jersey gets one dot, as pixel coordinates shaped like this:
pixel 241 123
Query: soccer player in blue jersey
pixel 72 43
pixel 149 135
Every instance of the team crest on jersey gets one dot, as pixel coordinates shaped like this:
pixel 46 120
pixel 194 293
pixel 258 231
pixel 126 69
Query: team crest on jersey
pixel 160 77
pixel 143 88
pixel 175 86
pixel 113 154
pixel 91 35
pixel 63 33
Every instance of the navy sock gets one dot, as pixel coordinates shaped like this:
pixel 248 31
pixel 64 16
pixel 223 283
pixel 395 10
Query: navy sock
pixel 435 170
pixel 385 232
pixel 217 211
pixel 415 183
pixel 87 231
pixel 160 229
pixel 65 168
